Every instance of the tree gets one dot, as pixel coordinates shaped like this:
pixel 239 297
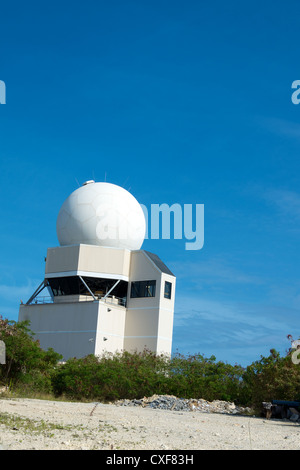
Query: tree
pixel 24 355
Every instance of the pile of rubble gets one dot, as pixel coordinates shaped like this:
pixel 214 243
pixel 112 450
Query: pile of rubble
pixel 172 403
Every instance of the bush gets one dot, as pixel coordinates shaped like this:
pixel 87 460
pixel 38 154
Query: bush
pixel 200 377
pixel 272 378
pixel 135 375
pixel 26 362
pixel 112 376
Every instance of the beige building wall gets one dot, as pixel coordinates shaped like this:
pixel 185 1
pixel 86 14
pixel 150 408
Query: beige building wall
pixel 64 327
pixel 141 267
pixel 110 328
pixel 149 320
pixel 62 259
pixel 166 317
pixel 141 329
pixel 89 260
pixel 142 316
pixel 81 327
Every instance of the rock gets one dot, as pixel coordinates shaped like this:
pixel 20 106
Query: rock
pixel 294 417
pixel 230 406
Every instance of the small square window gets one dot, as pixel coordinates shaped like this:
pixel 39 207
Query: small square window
pixel 168 290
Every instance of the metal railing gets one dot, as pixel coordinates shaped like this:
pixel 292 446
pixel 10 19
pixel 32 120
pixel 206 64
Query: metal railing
pixel 111 299
pixel 47 299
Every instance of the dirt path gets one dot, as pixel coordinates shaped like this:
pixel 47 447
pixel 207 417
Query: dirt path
pixel 48 425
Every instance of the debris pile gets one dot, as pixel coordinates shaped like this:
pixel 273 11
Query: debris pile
pixel 172 403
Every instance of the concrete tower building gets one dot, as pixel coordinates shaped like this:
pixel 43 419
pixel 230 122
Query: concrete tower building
pixel 105 293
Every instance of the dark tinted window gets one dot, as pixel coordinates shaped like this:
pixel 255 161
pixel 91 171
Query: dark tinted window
pixel 168 290
pixel 143 289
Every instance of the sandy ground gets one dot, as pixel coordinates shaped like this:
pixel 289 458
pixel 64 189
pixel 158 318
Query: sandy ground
pixel 47 425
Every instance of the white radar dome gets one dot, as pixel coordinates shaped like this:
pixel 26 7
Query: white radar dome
pixel 101 214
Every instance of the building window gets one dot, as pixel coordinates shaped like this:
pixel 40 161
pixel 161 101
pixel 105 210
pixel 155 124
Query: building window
pixel 143 289
pixel 168 290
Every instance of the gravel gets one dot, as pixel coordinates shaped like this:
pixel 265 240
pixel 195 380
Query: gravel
pixel 155 423
pixel 172 403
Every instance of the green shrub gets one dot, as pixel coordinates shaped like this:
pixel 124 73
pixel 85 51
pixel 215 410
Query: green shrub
pixel 135 375
pixel 272 378
pixel 112 376
pixel 26 361
pixel 200 377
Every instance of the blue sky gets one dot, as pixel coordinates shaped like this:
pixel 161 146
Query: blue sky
pixel 180 102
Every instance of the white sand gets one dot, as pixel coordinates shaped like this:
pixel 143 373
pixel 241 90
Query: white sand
pixel 49 425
